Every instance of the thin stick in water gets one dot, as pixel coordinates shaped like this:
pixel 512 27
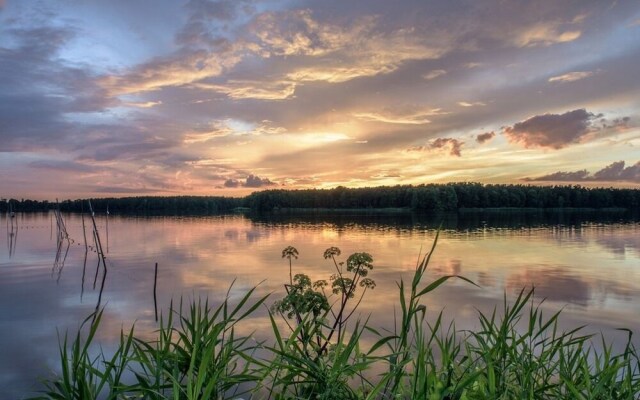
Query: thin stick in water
pixel 155 284
pixel 84 231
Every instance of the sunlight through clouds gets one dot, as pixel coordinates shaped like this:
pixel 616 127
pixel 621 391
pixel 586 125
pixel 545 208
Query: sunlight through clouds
pixel 196 96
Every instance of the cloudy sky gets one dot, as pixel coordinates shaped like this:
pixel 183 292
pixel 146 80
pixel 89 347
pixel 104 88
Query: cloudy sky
pixel 122 97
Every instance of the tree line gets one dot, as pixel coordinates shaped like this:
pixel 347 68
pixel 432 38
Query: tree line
pixel 429 197
pixel 447 197
pixel 134 205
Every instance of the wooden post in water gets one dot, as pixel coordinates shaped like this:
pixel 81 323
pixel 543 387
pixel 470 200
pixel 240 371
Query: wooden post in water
pixel 155 284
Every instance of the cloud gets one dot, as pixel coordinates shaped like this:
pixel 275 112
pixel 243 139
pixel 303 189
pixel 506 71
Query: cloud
pixel 571 76
pixel 231 183
pixel 145 104
pixel 322 51
pixel 131 145
pixel 65 166
pixel 256 182
pixel 217 69
pixel 184 67
pixel 562 176
pixel 295 32
pixel 485 137
pixel 454 146
pixel 252 181
pixel 211 130
pixel 205 17
pixel 253 89
pixel 39 90
pixel 342 53
pixel 409 115
pixel 545 34
pixel 615 172
pixel 472 104
pixel 618 124
pixel 208 22
pixel 434 74
pixel 552 130
pixel 471 65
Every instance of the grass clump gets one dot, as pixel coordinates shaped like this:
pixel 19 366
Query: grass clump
pixel 517 353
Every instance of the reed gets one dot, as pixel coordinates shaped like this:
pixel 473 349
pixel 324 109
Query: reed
pixel 516 353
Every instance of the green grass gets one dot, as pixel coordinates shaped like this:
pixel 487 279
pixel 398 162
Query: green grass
pixel 517 353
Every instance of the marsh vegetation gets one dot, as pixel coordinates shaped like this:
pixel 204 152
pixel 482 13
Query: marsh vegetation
pixel 320 347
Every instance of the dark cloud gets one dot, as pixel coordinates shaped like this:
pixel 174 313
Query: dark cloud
pixel 552 130
pixel 252 181
pixel 137 138
pixel 615 172
pixel 205 20
pixel 485 137
pixel 454 146
pixel 562 176
pixel 223 10
pixel 256 182
pixel 39 90
pixel 616 124
pixel 134 150
pixel 231 183
pixel 67 166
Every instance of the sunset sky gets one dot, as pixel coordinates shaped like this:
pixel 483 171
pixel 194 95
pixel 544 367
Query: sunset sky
pixel 140 97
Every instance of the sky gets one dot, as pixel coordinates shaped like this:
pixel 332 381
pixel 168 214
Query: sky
pixel 121 98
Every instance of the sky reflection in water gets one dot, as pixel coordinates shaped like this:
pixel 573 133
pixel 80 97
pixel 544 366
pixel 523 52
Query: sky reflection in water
pixel 589 268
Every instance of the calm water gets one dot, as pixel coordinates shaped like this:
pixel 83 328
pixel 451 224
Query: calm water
pixel 588 265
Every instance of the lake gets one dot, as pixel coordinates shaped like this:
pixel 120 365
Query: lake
pixel 587 264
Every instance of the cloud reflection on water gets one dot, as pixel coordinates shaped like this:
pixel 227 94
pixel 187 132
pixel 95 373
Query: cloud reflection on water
pixel 578 266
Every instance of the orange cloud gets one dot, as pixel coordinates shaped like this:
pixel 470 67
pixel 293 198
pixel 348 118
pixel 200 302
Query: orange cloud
pixel 251 89
pixel 345 52
pixel 181 69
pixel 407 116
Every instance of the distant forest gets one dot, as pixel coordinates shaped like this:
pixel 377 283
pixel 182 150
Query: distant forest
pixel 432 197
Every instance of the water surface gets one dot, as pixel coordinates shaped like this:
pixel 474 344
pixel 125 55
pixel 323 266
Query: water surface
pixel 588 265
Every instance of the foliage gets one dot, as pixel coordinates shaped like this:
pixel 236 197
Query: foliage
pixel 308 302
pixel 86 376
pixel 430 197
pixel 445 197
pixel 319 357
